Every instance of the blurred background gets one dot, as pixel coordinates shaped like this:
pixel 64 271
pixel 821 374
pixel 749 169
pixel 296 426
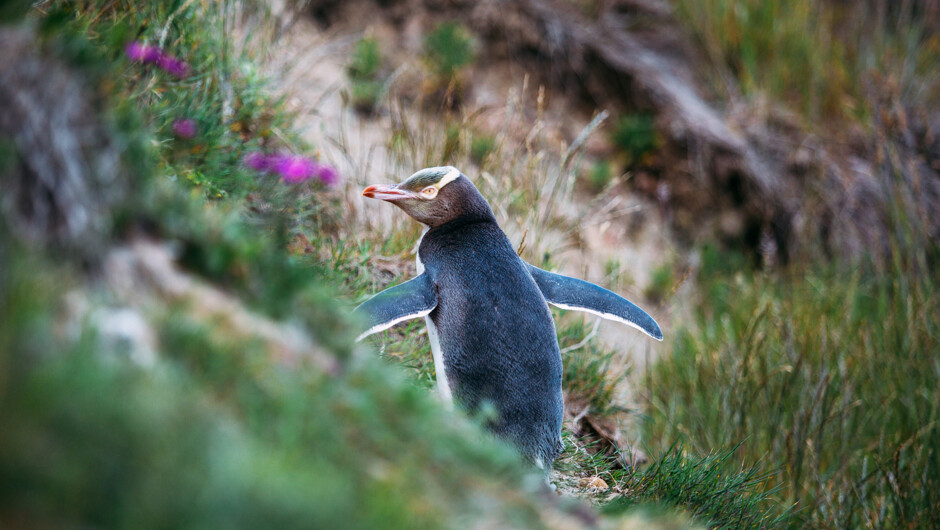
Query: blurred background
pixel 182 238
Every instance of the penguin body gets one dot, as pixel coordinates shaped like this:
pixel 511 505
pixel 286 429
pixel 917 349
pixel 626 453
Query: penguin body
pixel 491 331
pixel 496 334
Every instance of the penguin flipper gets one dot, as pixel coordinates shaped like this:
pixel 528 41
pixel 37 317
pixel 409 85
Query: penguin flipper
pixel 412 299
pixel 571 293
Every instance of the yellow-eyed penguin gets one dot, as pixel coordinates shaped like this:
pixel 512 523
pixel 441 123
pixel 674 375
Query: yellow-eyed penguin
pixel 491 332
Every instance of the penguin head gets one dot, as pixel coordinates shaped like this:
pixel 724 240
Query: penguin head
pixel 435 196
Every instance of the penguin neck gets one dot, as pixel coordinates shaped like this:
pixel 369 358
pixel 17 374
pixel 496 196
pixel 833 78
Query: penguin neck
pixel 474 210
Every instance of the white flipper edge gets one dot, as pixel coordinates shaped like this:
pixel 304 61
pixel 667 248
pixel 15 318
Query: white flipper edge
pixel 385 325
pixel 606 316
pixel 571 293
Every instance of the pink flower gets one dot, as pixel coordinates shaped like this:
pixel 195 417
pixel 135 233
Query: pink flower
pixel 294 169
pixel 142 53
pixel 184 128
pixel 328 175
pixel 257 161
pixel 145 53
pixel 173 66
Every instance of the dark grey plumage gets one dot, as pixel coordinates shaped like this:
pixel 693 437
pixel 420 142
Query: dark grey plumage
pixel 496 332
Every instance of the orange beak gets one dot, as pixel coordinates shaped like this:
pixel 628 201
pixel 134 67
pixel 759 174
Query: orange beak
pixel 386 193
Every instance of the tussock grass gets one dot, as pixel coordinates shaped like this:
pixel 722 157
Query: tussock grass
pixel 715 493
pixel 829 375
pixel 590 374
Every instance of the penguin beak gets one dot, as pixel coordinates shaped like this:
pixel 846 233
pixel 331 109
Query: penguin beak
pixel 386 193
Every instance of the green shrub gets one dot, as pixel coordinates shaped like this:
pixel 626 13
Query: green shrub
pixel 363 70
pixel 634 135
pixel 600 175
pixel 366 95
pixel 230 122
pixel 366 60
pixel 661 283
pixel 480 146
pixel 448 49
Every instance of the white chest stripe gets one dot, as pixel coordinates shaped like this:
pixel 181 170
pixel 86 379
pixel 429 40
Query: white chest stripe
pixel 443 385
pixel 418 265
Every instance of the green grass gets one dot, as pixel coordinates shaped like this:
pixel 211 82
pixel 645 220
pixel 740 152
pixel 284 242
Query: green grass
pixel 590 376
pixel 715 492
pixel 827 374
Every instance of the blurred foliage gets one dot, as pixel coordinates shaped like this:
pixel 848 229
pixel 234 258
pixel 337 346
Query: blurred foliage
pixel 817 56
pixel 363 71
pixel 600 174
pixel 448 49
pixel 634 135
pixel 481 145
pixel 223 93
pixel 13 10
pixel 219 434
pixel 662 282
pixel 366 59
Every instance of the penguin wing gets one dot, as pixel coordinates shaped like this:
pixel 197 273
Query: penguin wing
pixel 579 295
pixel 412 299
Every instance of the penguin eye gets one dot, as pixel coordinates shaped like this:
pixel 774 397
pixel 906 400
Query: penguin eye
pixel 429 193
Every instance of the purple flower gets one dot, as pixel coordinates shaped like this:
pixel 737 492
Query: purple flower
pixel 184 128
pixel 145 53
pixel 294 169
pixel 142 53
pixel 328 175
pixel 173 66
pixel 257 161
